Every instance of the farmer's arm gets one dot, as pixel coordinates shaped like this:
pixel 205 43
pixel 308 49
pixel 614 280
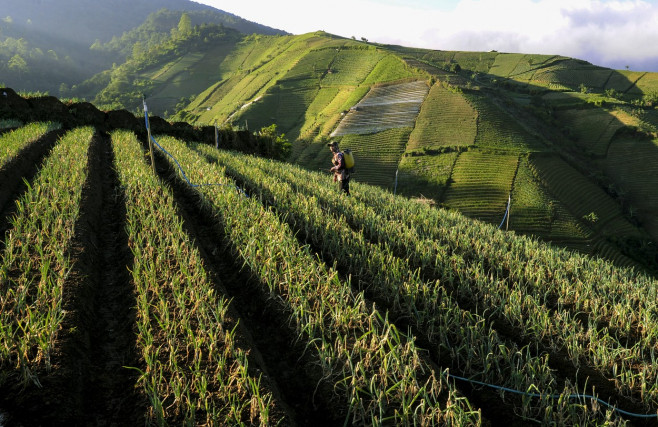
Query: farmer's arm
pixel 339 163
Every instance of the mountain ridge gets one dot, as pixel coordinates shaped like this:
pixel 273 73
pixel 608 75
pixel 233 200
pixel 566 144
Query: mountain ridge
pixel 541 113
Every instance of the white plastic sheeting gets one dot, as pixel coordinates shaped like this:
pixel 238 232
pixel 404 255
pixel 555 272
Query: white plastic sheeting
pixel 384 107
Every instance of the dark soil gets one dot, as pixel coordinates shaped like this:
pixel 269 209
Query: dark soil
pixel 110 395
pixel 88 384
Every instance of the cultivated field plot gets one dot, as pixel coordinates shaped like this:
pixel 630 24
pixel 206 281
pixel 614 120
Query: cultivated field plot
pixel 566 99
pixel 191 73
pixel 21 149
pixel 391 68
pixel 288 104
pixel 446 119
pixel 572 74
pixel 425 175
pixel 469 195
pixel 582 197
pixel 512 65
pixel 531 210
pixel 351 66
pixel 13 142
pixel 474 61
pixel 594 128
pixel 496 129
pixel 254 71
pixel 311 67
pixel 319 112
pixel 623 81
pixel 384 107
pixel 646 84
pixel 534 210
pixel 378 155
pixel 634 165
pixel 260 296
pixel 175 67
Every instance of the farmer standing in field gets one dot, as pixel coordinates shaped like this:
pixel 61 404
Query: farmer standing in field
pixel 340 171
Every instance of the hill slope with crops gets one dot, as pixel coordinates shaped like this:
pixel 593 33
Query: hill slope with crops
pixel 414 118
pixel 403 111
pixel 202 285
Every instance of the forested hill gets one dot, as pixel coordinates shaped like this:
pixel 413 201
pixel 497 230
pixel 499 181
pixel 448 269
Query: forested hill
pixel 44 44
pixel 88 20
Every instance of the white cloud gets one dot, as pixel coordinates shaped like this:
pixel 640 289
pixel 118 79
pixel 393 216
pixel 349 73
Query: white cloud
pixel 602 32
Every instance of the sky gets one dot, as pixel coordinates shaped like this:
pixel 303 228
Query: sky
pixel 618 34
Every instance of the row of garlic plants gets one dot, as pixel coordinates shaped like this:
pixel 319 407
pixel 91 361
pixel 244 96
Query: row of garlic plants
pixel 376 370
pixel 35 264
pixel 547 292
pixel 496 269
pixel 12 142
pixel 193 371
pixel 476 349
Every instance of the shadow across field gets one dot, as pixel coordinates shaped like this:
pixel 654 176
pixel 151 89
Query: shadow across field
pixel 89 382
pixel 288 371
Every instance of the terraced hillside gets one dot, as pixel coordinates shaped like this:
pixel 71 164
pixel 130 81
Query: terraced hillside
pixel 446 119
pixel 157 301
pixel 440 105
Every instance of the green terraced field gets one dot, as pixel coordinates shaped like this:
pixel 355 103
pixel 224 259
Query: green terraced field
pixel 377 155
pixel 481 184
pixel 351 66
pixel 634 165
pixel 390 68
pixel 496 129
pixel 648 82
pixel 531 210
pixel 535 211
pixel 570 73
pixel 581 196
pixel 449 104
pixel 285 108
pixel 446 119
pixel 593 129
pixel 426 175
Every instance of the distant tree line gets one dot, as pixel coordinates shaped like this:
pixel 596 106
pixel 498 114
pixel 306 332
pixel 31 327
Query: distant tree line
pixel 24 65
pixel 121 87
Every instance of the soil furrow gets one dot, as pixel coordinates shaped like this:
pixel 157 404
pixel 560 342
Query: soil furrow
pixel 88 384
pixel 110 397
